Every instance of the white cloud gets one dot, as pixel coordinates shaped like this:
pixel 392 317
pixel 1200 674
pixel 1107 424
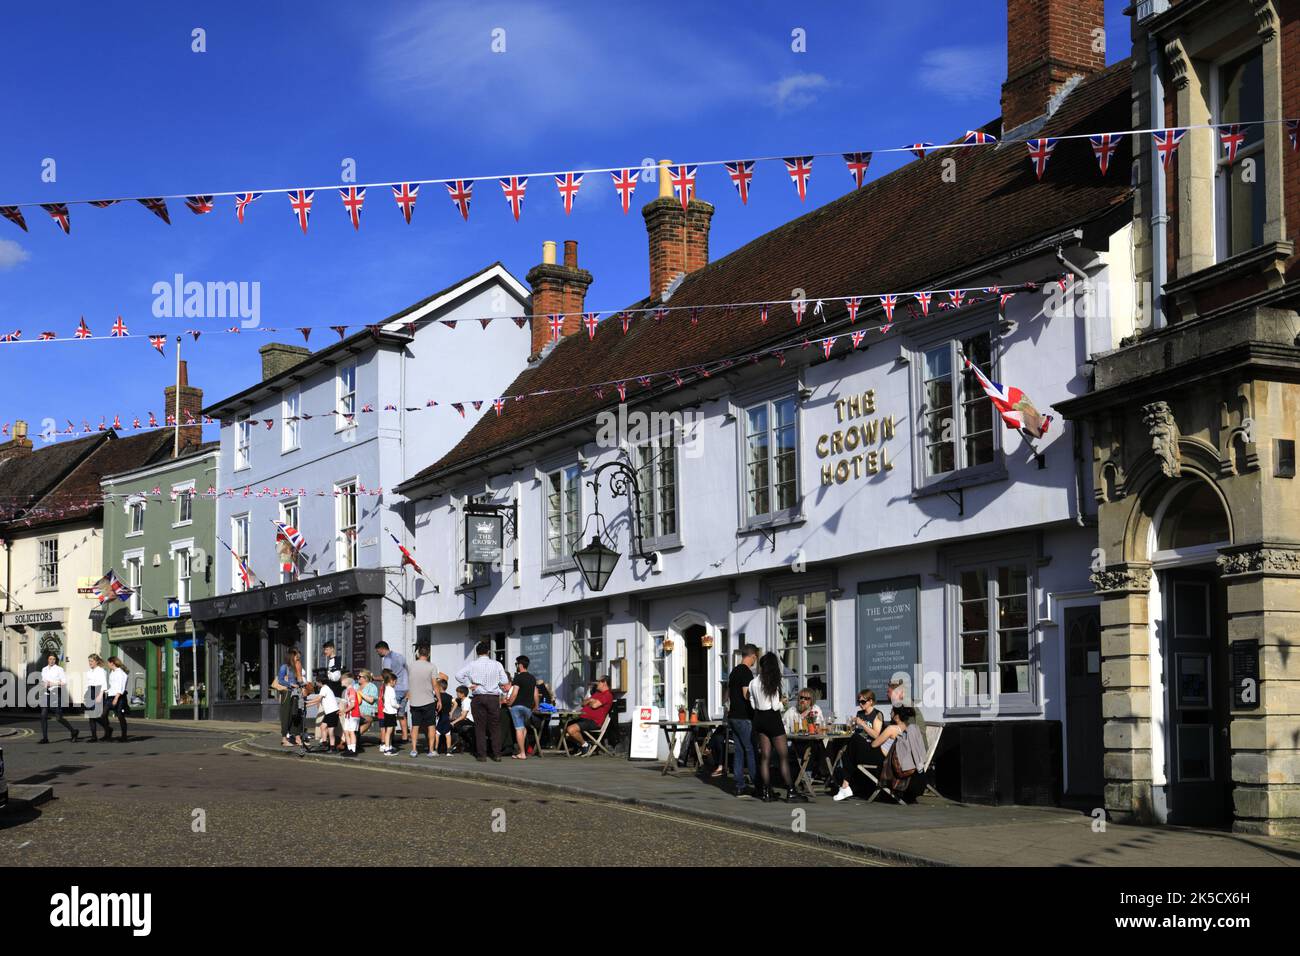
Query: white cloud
pixel 562 71
pixel 797 91
pixel 963 72
pixel 11 254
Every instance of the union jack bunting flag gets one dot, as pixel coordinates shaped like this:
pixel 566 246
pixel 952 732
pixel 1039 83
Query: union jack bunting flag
pixel 798 305
pixel 119 329
pixel 1232 138
pixel 242 201
pixel 556 323
pixel 695 316
pixel 919 149
pixel 1103 147
pixel 158 341
pixel 857 164
pixel 306 333
pixel 153 420
pixel 1167 141
pixel 59 213
pixel 1012 404
pixel 46 337
pixel 958 297
pixel 852 305
pixel 199 205
pixel 741 172
pixel 459 408
pixel 800 170
pixel 977 137
pixel 461 191
pixel 353 197
pixel 625 185
pixel 406 555
pixel 888 302
pixel 514 187
pixel 1040 151
pixel 590 321
pixel 626 319
pixel 683 183
pixel 857 337
pixel 104 203
pixel 762 314
pixel 342 330
pixel 924 299
pixel 622 391
pixel 827 345
pixel 568 184
pixel 498 406
pixel 477 404
pixel 14 215
pixel 300 200
pixel 405 196
pixel 157 206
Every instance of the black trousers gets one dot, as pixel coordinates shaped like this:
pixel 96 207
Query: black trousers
pixel 486 709
pixel 121 709
pixel 53 702
pixel 98 714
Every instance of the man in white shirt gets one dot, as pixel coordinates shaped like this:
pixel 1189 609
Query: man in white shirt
pixel 54 686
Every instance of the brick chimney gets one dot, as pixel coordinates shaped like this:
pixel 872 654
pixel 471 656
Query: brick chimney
pixel 679 240
pixel 1049 42
pixel 278 356
pixel 557 289
pixel 20 444
pixel 191 405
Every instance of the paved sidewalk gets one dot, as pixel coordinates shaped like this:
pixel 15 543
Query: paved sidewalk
pixel 934 831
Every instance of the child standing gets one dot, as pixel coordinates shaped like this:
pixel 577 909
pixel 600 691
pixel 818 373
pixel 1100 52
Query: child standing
pixel 351 713
pixel 388 713
pixel 444 718
pixel 329 715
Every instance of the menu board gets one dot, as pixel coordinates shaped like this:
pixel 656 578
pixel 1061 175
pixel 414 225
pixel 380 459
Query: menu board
pixel 360 641
pixel 887 639
pixel 535 644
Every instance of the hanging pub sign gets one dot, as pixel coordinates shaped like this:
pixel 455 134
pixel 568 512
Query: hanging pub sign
pixel 483 538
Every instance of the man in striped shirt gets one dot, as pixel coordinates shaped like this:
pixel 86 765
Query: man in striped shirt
pixel 487 680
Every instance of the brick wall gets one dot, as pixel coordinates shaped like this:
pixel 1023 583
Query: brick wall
pixel 1048 41
pixel 679 239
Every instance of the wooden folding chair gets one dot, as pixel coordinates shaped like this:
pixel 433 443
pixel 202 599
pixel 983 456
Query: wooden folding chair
pixel 933 733
pixel 595 741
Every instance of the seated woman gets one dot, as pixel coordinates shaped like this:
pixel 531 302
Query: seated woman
pixel 867 724
pixel 902 770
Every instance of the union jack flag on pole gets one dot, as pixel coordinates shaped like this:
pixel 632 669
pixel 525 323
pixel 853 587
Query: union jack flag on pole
pixel 1012 404
pixel 406 555
pixel 111 587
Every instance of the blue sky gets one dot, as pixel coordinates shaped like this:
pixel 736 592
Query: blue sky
pixel 285 93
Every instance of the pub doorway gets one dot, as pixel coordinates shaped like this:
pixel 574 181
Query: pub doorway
pixel 697 669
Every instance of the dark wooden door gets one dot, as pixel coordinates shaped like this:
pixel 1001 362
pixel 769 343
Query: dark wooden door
pixel 697 668
pixel 1196 700
pixel 1083 743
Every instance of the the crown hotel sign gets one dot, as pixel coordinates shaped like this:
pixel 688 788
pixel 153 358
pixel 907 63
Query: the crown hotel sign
pixel 483 538
pixel 857 447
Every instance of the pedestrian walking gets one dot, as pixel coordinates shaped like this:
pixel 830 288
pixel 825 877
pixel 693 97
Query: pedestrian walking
pixel 54 687
pixel 118 703
pixel 487 681
pixel 94 701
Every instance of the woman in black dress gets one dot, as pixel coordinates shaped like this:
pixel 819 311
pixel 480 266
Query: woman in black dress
pixel 867 725
pixel 765 696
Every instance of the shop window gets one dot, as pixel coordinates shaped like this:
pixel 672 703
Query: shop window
pixel 49 563
pixel 995 634
pixel 1240 182
pixel 250 667
pixel 656 467
pixel 957 418
pixel 802 642
pixel 563 509
pixel 330 627
pixel 185 686
pixel 771 472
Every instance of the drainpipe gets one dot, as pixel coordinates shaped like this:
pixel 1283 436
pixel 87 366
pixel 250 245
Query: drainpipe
pixel 1159 215
pixel 1077 436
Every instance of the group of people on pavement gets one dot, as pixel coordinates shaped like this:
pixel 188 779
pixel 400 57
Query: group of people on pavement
pixel 892 754
pixel 105 696
pixel 406 701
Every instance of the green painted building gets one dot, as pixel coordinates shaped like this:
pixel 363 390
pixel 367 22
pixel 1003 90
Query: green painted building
pixel 159 537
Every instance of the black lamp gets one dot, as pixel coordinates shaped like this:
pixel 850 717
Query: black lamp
pixel 596 562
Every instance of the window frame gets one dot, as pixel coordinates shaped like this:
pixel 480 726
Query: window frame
pixel 1221 173
pixel 290 421
pixel 184 491
pixel 283 507
pixel 341 421
pixel 564 561
pixel 741 409
pixel 186 548
pixel 135 504
pixel 47 557
pixel 134 558
pixel 340 539
pixel 238 538
pixel 800 593
pixel 983 319
pixel 243 458
pixel 653 537
pixel 957 701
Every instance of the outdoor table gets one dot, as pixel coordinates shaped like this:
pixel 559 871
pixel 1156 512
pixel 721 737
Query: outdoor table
pixel 802 781
pixel 562 719
pixel 672 728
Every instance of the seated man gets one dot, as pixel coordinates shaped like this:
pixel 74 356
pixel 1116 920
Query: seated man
pixel 594 711
pixel 804 709
pixel 462 721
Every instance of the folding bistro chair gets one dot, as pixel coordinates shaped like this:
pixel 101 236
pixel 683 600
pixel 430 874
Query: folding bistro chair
pixel 595 741
pixel 933 733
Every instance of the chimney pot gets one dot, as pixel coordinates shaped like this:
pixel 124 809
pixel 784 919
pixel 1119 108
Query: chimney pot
pixel 1048 43
pixel 665 183
pixel 571 253
pixel 548 252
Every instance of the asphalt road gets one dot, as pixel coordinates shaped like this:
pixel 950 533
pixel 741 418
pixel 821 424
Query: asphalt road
pixel 180 795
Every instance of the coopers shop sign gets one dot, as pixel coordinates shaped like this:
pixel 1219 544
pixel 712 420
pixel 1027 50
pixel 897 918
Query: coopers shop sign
pixel 857 447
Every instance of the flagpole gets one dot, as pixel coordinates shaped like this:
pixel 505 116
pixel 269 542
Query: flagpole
pixel 176 442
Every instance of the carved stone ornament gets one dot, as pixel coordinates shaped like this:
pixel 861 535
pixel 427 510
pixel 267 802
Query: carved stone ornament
pixel 1260 560
pixel 1179 64
pixel 1123 577
pixel 1159 420
pixel 1265 18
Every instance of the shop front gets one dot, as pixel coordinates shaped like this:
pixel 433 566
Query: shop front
pixel 161 660
pixel 31 635
pixel 250 633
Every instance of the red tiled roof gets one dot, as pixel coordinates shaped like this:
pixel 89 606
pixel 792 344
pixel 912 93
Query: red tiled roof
pixel 896 233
